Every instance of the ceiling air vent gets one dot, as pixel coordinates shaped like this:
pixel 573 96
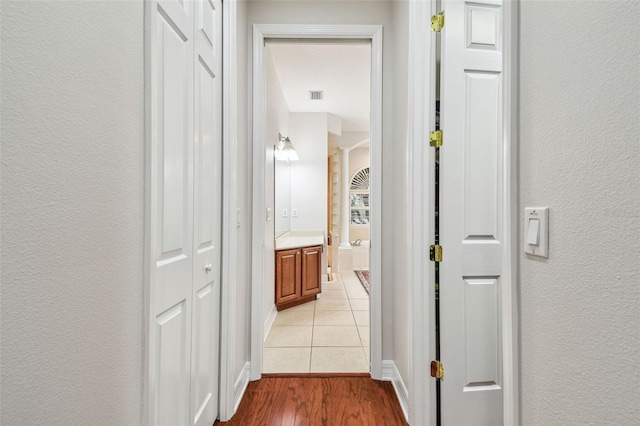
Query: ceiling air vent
pixel 316 95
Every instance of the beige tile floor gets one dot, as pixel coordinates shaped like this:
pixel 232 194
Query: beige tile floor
pixel 328 335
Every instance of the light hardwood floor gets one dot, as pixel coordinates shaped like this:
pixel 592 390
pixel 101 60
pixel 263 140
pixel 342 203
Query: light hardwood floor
pixel 328 335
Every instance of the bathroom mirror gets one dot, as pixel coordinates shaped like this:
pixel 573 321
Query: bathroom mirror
pixel 282 197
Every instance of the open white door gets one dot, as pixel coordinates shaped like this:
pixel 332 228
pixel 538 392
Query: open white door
pixel 472 213
pixel 183 210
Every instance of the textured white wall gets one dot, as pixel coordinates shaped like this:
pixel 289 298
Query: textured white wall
pixel 309 135
pixel 579 155
pixel 72 212
pixel 349 139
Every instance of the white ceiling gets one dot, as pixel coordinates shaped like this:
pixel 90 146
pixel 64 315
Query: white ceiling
pixel 341 70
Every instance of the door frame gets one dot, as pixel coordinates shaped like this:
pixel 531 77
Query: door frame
pixel 510 332
pixel 422 48
pixel 230 217
pixel 363 32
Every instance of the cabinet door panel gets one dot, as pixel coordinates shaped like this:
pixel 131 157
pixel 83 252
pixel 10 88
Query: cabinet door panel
pixel 311 265
pixel 287 276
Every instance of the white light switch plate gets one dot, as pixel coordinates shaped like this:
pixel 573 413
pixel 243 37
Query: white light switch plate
pixel 536 231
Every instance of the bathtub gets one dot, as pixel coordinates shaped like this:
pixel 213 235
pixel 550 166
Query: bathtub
pixel 360 255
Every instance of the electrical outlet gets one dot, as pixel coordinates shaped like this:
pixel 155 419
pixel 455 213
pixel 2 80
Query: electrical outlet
pixel 285 213
pixel 294 212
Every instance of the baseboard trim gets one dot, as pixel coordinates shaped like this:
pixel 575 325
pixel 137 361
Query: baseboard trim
pixel 268 322
pixel 241 385
pixel 390 373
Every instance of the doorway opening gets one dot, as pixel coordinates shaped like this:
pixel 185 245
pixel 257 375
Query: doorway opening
pixel 308 206
pixel 318 95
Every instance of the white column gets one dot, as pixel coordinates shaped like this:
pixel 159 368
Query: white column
pixel 345 217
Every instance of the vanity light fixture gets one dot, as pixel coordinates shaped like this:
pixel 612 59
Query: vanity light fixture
pixel 285 150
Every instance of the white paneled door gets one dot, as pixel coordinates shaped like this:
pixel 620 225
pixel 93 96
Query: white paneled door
pixel 472 206
pixel 184 210
pixel 207 212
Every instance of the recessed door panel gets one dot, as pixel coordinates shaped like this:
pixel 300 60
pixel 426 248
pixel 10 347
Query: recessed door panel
pixel 172 365
pixel 311 269
pixel 481 150
pixel 173 140
pixel 207 159
pixel 205 354
pixel 287 275
pixel 483 26
pixel 209 21
pixel 482 335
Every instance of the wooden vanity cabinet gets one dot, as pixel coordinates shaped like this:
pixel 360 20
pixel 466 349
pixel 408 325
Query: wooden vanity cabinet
pixel 311 265
pixel 288 276
pixel 297 276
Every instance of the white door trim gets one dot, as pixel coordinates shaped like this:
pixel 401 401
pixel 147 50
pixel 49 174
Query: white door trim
pixel 149 29
pixel 229 206
pixel 370 32
pixel 421 195
pixel 510 336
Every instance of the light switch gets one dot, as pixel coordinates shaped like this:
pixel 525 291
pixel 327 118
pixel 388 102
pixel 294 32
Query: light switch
pixel 285 213
pixel 269 214
pixel 536 231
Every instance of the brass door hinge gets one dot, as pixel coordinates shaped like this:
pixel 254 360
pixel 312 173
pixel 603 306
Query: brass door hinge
pixel 437 22
pixel 437 370
pixel 435 138
pixel 435 253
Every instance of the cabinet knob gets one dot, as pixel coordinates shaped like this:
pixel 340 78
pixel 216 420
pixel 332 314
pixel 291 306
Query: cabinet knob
pixel 208 267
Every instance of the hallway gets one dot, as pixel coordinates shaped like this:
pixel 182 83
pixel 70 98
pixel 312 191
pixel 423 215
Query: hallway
pixel 75 251
pixel 318 401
